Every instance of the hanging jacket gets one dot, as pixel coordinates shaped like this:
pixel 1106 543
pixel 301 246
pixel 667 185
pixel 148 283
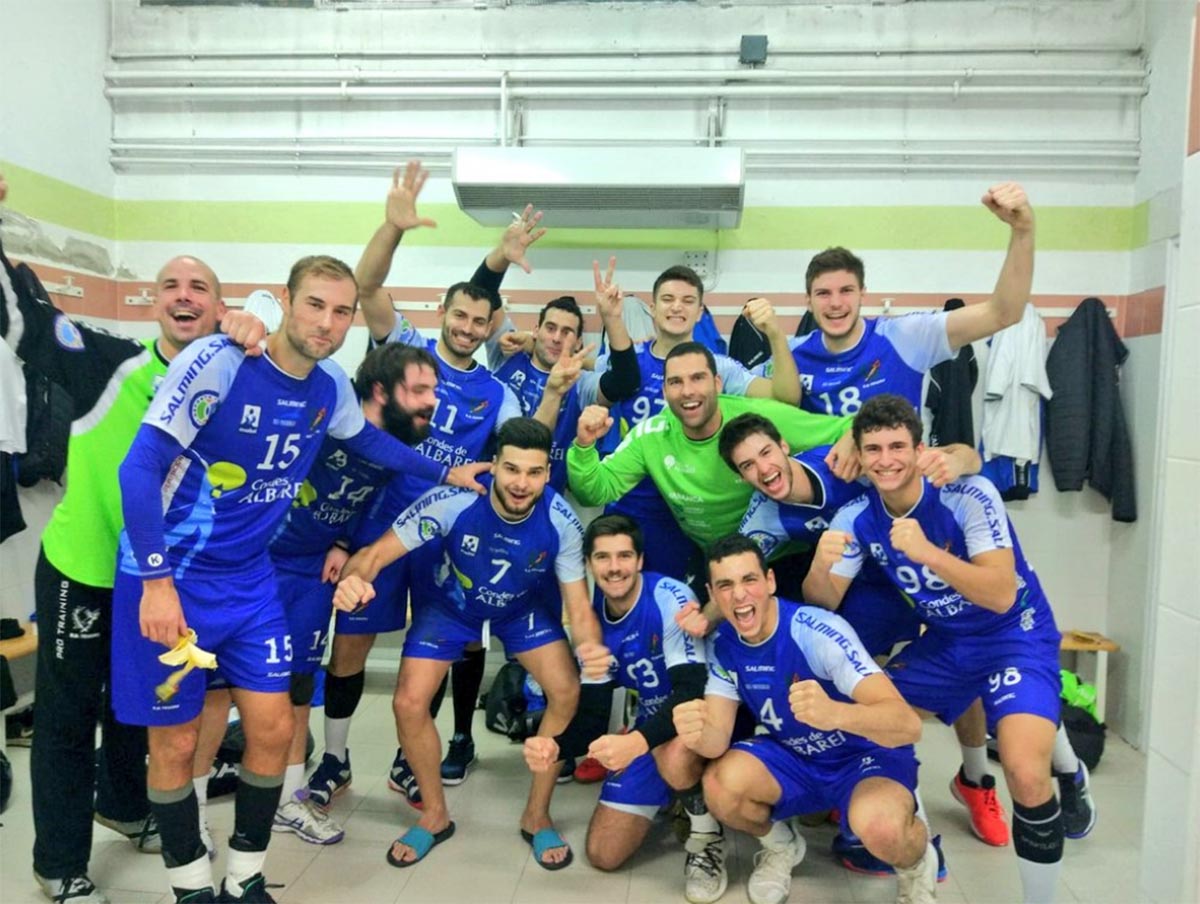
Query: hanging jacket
pixel 951 384
pixel 1086 434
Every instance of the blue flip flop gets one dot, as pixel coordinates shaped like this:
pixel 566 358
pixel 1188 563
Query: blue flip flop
pixel 422 841
pixel 545 840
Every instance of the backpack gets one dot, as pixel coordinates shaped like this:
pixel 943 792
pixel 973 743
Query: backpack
pixel 514 704
pixel 1084 730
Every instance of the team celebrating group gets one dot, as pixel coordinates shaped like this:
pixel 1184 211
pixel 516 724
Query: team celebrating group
pixel 784 573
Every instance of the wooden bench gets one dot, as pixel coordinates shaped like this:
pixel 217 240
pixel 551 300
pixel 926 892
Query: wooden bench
pixel 1093 642
pixel 12 649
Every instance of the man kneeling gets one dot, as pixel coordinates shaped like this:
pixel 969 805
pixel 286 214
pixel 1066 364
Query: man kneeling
pixel 837 733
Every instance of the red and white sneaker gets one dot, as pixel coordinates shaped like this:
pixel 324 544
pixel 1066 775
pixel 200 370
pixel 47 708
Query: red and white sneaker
pixel 589 770
pixel 988 819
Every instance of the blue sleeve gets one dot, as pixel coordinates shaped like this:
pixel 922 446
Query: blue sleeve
pixel 141 476
pixel 384 449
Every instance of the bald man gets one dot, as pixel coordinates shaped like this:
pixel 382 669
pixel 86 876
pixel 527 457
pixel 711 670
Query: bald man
pixel 110 381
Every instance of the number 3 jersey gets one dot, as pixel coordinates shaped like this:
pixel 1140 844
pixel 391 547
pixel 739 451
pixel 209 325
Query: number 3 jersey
pixel 808 644
pixel 893 355
pixel 492 568
pixel 646 642
pixel 965 518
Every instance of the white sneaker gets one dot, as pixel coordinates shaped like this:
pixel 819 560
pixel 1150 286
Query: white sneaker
pixel 142 833
pixel 704 871
pixel 71 890
pixel 302 817
pixel 918 883
pixel 771 881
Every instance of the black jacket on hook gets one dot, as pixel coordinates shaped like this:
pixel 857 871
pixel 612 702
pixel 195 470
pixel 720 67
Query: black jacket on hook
pixel 1086 434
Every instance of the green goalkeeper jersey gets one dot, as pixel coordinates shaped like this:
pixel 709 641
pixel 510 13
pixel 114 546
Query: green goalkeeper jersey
pixel 705 495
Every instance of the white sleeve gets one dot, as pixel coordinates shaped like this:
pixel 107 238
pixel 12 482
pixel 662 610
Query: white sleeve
pixel 405 333
pixel 762 524
pixel 194 386
pixel 347 419
pixel 979 514
pixel 721 683
pixel 568 564
pixel 510 407
pixel 432 515
pixel 832 649
pixel 920 338
pixel 679 647
pixel 588 387
pixel 263 305
pixel 851 562
pixel 735 378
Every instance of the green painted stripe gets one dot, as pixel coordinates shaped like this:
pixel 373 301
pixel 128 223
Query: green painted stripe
pixel 910 228
pixel 55 201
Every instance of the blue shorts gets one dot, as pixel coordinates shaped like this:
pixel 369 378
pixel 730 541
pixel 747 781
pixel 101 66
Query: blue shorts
pixel 638 789
pixel 879 615
pixel 388 611
pixel 811 785
pixel 944 674
pixel 307 604
pixel 440 632
pixel 237 617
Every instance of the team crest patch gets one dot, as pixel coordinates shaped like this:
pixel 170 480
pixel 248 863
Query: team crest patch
pixel 317 418
pixel 204 406
pixel 470 544
pixel 67 334
pixel 427 528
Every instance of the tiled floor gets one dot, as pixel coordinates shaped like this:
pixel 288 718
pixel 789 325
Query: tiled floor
pixel 488 862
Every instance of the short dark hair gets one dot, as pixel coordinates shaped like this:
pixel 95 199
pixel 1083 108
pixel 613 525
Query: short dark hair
pixel 831 260
pixel 883 412
pixel 734 545
pixel 739 428
pixel 683 274
pixel 474 292
pixel 523 433
pixel 692 348
pixel 612 526
pixel 562 303
pixel 319 265
pixel 386 365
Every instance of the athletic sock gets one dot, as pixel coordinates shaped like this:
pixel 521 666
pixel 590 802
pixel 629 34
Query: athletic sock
pixel 179 825
pixel 781 834
pixel 435 705
pixel 342 694
pixel 467 679
pixel 1038 839
pixel 920 811
pixel 697 811
pixel 974 763
pixel 1064 760
pixel 200 786
pixel 243 866
pixel 254 811
pixel 293 780
pixel 191 876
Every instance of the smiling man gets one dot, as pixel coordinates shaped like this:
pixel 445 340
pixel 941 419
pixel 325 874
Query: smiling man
pixel 217 462
pixel 835 732
pixel 500 557
pixel 648 765
pixel 990 631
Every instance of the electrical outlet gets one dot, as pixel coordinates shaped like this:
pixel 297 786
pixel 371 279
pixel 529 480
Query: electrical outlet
pixel 698 261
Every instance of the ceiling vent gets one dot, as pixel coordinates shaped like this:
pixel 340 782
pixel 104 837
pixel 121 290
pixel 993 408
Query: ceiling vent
pixel 677 188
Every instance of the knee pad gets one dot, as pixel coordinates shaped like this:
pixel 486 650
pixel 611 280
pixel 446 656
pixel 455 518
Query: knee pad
pixel 301 689
pixel 1038 832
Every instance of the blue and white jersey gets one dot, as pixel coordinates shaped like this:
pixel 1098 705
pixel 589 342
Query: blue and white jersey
pixel 528 383
pixel 471 404
pixel 341 486
pixel 493 568
pixel 893 355
pixel 249 434
pixel 965 518
pixel 644 498
pixel 773 524
pixel 808 643
pixel 645 642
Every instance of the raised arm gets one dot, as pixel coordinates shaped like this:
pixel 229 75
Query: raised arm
pixel 400 215
pixel 784 385
pixel 821 586
pixel 705 725
pixel 978 321
pixel 623 378
pixel 988 580
pixel 596 482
